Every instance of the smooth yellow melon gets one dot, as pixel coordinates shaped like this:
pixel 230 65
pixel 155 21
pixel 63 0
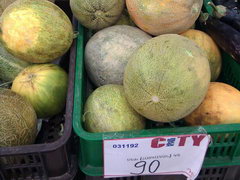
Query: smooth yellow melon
pixel 210 47
pixel 220 106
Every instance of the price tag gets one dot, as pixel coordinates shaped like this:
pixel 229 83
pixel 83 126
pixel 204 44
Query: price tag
pixel 163 155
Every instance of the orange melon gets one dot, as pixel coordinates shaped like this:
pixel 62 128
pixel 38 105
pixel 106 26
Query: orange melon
pixel 205 42
pixel 166 16
pixel 220 106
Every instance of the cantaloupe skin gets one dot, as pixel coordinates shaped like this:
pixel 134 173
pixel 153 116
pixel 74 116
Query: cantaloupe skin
pixel 47 32
pixel 97 14
pixel 210 47
pixel 10 66
pixel 18 120
pixel 44 86
pixel 165 16
pixel 107 110
pixel 108 51
pixel 220 106
pixel 166 78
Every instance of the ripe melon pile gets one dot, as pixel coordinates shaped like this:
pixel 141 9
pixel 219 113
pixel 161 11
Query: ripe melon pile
pixel 165 67
pixel 34 34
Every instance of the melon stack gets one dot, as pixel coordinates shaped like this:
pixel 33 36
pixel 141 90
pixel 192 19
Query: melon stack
pixel 158 69
pixel 34 36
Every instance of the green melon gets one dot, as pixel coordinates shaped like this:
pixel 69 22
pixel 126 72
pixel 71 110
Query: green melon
pixel 44 86
pixel 167 78
pixel 107 110
pixel 18 120
pixel 97 14
pixel 108 51
pixel 10 66
pixel 36 31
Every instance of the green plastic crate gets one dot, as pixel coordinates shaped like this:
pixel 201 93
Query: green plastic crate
pixel 224 151
pixel 230 73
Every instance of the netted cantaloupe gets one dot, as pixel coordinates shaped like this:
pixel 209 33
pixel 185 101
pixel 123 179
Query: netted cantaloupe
pixel 36 31
pixel 97 14
pixel 108 51
pixel 210 47
pixel 167 78
pixel 107 110
pixel 166 16
pixel 18 120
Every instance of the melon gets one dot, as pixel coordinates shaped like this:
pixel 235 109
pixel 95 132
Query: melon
pixel 125 19
pixel 18 120
pixel 107 110
pixel 220 106
pixel 5 3
pixel 97 14
pixel 10 66
pixel 108 51
pixel 205 42
pixel 47 32
pixel 44 86
pixel 167 78
pixel 165 16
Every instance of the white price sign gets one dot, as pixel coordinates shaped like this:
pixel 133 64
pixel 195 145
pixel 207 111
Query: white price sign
pixel 163 155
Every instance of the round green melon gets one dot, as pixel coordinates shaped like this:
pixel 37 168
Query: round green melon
pixel 107 110
pixel 108 51
pixel 44 86
pixel 167 78
pixel 36 31
pixel 97 14
pixel 18 120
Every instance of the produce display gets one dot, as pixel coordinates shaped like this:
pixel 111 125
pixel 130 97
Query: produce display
pixel 108 51
pixel 32 89
pixel 166 77
pixel 148 64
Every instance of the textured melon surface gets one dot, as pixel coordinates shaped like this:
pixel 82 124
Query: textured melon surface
pixel 18 120
pixel 166 16
pixel 10 66
pixel 210 47
pixel 47 32
pixel 45 87
pixel 108 51
pixel 107 110
pixel 167 78
pixel 97 14
pixel 5 3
